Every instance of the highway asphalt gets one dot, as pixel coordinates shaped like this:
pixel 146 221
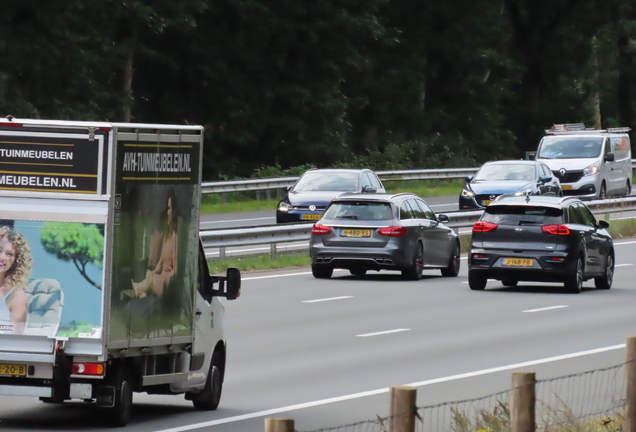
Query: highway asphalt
pixel 324 352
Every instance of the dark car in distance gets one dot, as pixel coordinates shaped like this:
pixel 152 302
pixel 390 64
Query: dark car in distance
pixel 538 238
pixel 308 198
pixel 520 177
pixel 362 232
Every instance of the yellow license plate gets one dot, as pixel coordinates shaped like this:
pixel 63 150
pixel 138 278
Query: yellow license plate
pixel 13 370
pixel 518 262
pixel 566 187
pixel 355 233
pixel 486 202
pixel 310 217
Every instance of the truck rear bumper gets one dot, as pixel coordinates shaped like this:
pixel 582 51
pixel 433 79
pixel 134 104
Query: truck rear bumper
pixel 10 390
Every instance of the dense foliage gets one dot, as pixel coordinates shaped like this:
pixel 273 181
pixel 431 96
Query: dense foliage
pixel 283 84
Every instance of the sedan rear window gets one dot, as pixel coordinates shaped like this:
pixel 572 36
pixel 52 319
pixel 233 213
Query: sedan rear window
pixel 360 210
pixel 521 215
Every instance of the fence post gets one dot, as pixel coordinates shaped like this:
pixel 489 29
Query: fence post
pixel 402 409
pixel 279 425
pixel 522 402
pixel 630 385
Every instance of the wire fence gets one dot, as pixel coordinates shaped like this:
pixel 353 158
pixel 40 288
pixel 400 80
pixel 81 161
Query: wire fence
pixel 586 401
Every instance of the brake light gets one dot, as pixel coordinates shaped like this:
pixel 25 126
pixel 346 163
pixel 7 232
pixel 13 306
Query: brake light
pixel 88 368
pixel 393 231
pixel 556 229
pixel 318 229
pixel 484 227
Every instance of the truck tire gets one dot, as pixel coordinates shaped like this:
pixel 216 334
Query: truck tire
pixel 120 413
pixel 208 399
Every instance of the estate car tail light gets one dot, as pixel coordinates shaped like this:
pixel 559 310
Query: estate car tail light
pixel 88 368
pixel 556 229
pixel 484 227
pixel 318 229
pixel 393 231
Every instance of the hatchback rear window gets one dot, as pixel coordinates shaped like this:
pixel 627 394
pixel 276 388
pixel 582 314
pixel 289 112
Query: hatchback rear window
pixel 360 210
pixel 520 215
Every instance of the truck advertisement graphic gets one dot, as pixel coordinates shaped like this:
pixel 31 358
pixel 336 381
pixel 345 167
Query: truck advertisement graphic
pixel 52 277
pixel 155 233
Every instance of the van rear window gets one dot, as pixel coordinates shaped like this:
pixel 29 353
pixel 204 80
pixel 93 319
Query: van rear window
pixel 513 215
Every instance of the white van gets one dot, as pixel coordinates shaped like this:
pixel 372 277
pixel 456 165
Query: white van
pixel 589 163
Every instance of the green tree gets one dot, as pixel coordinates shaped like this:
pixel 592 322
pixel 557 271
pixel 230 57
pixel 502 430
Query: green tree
pixel 81 244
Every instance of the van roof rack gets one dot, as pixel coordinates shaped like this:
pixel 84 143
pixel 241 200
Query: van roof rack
pixel 566 128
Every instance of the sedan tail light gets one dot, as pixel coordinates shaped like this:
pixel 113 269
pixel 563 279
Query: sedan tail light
pixel 556 229
pixel 484 227
pixel 393 231
pixel 318 229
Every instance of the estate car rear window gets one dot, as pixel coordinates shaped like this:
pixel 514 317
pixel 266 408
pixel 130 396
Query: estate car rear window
pixel 359 210
pixel 521 215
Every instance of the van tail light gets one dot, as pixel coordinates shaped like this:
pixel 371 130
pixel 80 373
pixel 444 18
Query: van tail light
pixel 318 229
pixel 88 368
pixel 393 231
pixel 484 227
pixel 556 229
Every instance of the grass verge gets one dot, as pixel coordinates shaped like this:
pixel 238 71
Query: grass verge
pixel 619 229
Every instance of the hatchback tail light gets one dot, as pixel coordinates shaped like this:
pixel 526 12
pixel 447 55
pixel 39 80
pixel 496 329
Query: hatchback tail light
pixel 318 229
pixel 484 227
pixel 556 229
pixel 393 231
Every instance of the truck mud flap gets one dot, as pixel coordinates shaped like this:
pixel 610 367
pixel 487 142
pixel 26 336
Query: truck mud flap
pixel 106 396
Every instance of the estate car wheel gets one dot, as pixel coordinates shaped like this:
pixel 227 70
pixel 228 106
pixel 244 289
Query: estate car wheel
pixel 357 272
pixel 477 282
pixel 321 272
pixel 605 281
pixel 574 282
pixel 414 271
pixel 453 263
pixel 509 282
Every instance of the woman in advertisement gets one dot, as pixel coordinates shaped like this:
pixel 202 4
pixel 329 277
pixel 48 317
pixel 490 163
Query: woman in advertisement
pixel 156 279
pixel 15 268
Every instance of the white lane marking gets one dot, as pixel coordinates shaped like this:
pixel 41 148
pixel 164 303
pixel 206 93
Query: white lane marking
pixel 282 275
pixel 624 243
pixel 623 265
pixel 327 299
pixel 383 332
pixel 349 397
pixel 236 220
pixel 545 308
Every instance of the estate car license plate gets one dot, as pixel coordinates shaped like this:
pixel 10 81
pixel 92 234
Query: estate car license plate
pixel 566 187
pixel 486 202
pixel 517 262
pixel 13 370
pixel 355 233
pixel 310 216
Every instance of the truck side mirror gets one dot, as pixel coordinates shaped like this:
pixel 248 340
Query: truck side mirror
pixel 609 157
pixel 233 276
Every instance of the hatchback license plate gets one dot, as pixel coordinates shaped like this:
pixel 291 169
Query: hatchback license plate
pixel 12 370
pixel 355 233
pixel 517 262
pixel 310 217
pixel 566 187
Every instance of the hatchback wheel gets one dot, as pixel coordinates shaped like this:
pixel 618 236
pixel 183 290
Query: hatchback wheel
pixel 477 282
pixel 321 272
pixel 414 271
pixel 358 272
pixel 574 281
pixel 453 263
pixel 605 281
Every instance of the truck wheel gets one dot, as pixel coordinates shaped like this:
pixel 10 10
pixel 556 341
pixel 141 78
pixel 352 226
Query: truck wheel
pixel 208 399
pixel 414 271
pixel 120 413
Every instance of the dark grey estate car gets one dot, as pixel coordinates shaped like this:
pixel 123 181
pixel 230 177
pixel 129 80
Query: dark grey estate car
pixel 540 238
pixel 362 232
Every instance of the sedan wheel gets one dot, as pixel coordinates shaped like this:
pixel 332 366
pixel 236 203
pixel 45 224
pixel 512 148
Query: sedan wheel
pixel 574 282
pixel 453 264
pixel 321 272
pixel 414 271
pixel 605 281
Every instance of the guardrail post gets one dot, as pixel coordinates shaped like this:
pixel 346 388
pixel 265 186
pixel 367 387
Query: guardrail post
pixel 279 425
pixel 258 195
pixel 222 253
pixel 268 194
pixel 630 385
pixel 272 250
pixel 223 198
pixel 522 402
pixel 402 409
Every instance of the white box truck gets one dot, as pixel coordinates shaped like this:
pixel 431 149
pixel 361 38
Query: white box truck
pixel 104 285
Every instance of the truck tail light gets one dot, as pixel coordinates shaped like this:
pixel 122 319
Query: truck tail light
pixel 88 368
pixel 556 229
pixel 393 231
pixel 484 227
pixel 318 229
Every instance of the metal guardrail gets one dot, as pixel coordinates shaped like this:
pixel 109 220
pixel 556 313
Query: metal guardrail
pixel 281 182
pixel 284 233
